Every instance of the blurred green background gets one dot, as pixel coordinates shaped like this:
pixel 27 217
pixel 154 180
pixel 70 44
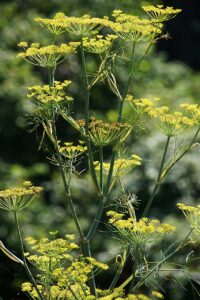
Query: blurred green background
pixel 171 71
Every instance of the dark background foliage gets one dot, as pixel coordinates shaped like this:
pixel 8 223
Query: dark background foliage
pixel 170 71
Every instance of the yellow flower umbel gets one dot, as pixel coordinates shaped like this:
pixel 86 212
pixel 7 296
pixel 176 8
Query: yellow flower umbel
pixel 19 197
pixel 61 276
pixel 132 28
pixel 170 124
pixel 71 151
pixel 121 166
pixel 138 233
pixel 47 56
pixel 55 25
pixel 141 105
pixel 100 44
pixel 192 213
pixel 82 26
pixel 50 94
pixel 103 133
pixel 193 110
pixel 160 13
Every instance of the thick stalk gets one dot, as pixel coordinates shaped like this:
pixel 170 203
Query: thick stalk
pixel 150 201
pixel 24 258
pixel 97 218
pixel 101 167
pixel 86 241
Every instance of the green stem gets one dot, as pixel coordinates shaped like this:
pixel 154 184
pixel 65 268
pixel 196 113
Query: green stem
pixel 97 218
pixel 120 269
pixel 87 117
pixel 184 152
pixel 87 253
pixel 66 185
pixel 150 201
pixel 133 276
pixel 55 143
pixel 122 286
pixel 120 109
pixel 51 76
pixel 101 167
pixel 24 258
pixel 86 241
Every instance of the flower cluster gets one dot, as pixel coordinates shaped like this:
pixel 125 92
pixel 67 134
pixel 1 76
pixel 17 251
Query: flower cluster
pixel 46 93
pixel 192 213
pixel 71 151
pixel 82 26
pixel 121 166
pixel 61 275
pixel 47 56
pixel 193 110
pixel 104 133
pixel 132 28
pixel 117 295
pixel 141 105
pixel 99 44
pixel 138 232
pixel 161 13
pixel 170 124
pixel 19 197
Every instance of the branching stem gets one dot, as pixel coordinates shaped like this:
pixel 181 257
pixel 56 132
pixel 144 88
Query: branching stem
pixel 153 194
pixel 24 258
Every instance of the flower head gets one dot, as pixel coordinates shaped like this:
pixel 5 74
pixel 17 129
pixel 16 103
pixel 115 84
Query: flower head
pixel 138 232
pixel 99 44
pixel 71 151
pixel 103 133
pixel 170 124
pixel 193 110
pixel 161 13
pixel 47 56
pixel 50 94
pixel 132 28
pixel 19 197
pixel 192 213
pixel 80 26
pixel 121 166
